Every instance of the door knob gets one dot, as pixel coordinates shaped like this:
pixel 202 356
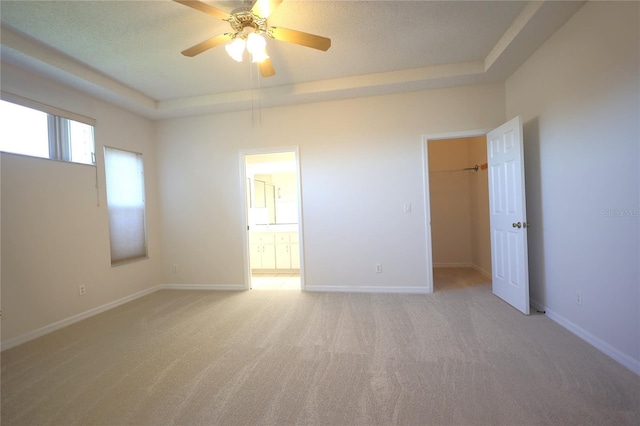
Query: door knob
pixel 517 225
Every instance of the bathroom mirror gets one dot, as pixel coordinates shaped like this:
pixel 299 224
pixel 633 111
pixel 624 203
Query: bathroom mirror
pixel 264 198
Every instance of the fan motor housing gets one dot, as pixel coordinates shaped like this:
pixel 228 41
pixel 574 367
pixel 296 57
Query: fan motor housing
pixel 246 19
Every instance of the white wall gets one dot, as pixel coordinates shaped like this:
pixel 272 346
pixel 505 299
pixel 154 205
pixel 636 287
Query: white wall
pixel 286 197
pixel 578 96
pixel 54 235
pixel 361 160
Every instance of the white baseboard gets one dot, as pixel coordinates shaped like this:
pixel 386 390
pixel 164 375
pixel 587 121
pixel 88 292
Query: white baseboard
pixel 10 343
pixel 453 265
pixel 218 287
pixel 625 360
pixel 602 346
pixel 463 265
pixel 486 274
pixel 366 289
pixel 537 305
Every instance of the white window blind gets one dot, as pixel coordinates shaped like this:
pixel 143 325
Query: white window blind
pixel 126 205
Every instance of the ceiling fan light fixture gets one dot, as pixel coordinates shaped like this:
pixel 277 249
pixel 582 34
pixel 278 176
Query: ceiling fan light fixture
pixel 256 45
pixel 249 29
pixel 235 49
pixel 260 56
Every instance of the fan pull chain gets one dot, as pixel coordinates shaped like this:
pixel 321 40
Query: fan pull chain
pixel 259 90
pixel 259 99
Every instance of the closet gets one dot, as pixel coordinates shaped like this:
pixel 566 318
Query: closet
pixel 459 201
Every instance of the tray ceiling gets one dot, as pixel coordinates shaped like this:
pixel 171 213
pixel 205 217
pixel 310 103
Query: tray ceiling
pixel 128 52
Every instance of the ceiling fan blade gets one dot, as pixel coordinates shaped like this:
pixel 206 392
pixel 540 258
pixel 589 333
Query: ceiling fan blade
pixel 207 44
pixel 203 7
pixel 264 8
pixel 266 68
pixel 298 37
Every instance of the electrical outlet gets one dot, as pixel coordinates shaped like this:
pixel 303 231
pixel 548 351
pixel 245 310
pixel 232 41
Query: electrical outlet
pixel 82 290
pixel 579 298
pixel 174 269
pixel 378 268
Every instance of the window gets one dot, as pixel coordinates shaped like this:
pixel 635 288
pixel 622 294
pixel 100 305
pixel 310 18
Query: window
pixel 30 128
pixel 126 205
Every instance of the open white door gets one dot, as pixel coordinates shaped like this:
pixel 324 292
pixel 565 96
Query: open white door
pixel 507 215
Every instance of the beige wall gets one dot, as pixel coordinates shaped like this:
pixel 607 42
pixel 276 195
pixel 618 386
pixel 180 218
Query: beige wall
pixel 449 191
pixel 361 161
pixel 459 203
pixel 479 207
pixel 55 233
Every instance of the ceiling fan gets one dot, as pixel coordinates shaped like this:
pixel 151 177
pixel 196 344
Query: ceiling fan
pixel 249 25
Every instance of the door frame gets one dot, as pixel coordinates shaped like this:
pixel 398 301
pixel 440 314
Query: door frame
pixel 427 194
pixel 245 210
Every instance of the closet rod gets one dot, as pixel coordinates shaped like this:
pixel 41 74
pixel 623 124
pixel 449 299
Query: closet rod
pixel 475 168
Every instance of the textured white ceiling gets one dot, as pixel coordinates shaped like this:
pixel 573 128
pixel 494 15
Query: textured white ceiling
pixel 129 51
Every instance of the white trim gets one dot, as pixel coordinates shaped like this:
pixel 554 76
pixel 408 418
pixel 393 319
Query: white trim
pixel 607 349
pixel 427 193
pixel 300 220
pixel 10 343
pixel 536 305
pixel 486 274
pixel 243 190
pixel 455 135
pixel 245 220
pixel 427 213
pixel 48 109
pixel 367 289
pixel 602 346
pixel 453 265
pixel 211 287
pixel 625 360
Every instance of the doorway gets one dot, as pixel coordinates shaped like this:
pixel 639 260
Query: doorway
pixel 507 211
pixel 459 201
pixel 273 258
pixel 457 210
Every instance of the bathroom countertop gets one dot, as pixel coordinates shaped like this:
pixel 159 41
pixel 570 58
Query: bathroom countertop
pixel 292 227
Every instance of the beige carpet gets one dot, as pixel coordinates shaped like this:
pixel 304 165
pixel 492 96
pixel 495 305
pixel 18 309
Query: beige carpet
pixel 459 357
